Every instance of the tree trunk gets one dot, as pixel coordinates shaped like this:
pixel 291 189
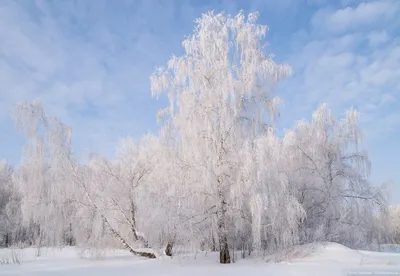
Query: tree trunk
pixel 213 243
pixel 133 218
pixel 137 236
pixel 224 257
pixel 168 249
pixel 7 240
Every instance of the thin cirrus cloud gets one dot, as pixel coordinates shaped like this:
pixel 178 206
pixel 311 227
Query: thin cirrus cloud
pixel 90 62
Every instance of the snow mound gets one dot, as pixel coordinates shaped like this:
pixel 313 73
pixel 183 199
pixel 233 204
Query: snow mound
pixel 327 251
pixel 334 252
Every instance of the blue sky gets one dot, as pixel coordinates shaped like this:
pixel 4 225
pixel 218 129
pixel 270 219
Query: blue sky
pixel 90 62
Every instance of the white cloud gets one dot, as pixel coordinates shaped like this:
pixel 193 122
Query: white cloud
pixel 90 62
pixel 354 63
pixel 86 71
pixel 386 99
pixel 352 18
pixel 378 37
pixel 339 3
pixel 383 69
pixel 347 78
pixel 356 67
pixel 91 68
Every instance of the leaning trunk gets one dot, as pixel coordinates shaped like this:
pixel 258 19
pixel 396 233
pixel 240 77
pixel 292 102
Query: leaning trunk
pixel 135 234
pixel 125 244
pixel 112 230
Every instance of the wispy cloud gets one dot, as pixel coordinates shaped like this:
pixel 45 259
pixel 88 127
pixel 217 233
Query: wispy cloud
pixel 348 56
pixel 346 59
pixel 89 61
pixel 365 14
pixel 378 37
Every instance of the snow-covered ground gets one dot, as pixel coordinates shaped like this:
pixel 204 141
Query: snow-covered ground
pixel 327 259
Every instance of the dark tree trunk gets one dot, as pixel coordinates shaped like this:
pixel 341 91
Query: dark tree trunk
pixel 224 257
pixel 71 236
pixel 7 240
pixel 168 249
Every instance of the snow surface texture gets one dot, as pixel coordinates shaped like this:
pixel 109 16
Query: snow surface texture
pixel 322 259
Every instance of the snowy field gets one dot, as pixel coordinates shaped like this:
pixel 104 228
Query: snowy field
pixel 328 259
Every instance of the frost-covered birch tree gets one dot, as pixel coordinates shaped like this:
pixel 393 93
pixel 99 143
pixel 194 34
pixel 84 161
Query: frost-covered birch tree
pixel 10 207
pixel 220 90
pixel 120 187
pixel 394 222
pixel 275 212
pixel 108 201
pixel 163 203
pixel 330 171
pixel 44 186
